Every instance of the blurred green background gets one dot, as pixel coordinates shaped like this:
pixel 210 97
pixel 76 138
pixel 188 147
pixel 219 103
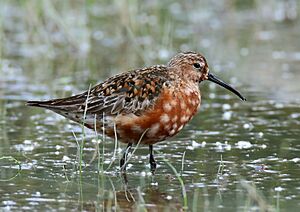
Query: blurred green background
pixel 56 48
pixel 252 41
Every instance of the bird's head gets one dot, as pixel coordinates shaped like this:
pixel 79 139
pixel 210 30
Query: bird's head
pixel 192 66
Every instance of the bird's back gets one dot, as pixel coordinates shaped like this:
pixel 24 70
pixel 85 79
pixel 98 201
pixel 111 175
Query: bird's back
pixel 148 99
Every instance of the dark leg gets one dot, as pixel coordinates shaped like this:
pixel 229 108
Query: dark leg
pixel 152 161
pixel 124 179
pixel 124 158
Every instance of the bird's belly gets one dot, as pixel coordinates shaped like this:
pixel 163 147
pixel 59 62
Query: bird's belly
pixel 167 117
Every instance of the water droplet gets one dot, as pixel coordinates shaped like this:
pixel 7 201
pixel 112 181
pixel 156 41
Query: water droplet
pixel 244 145
pixel 226 106
pixel 169 197
pixel 248 126
pixel 227 115
pixel 278 189
pixel 66 158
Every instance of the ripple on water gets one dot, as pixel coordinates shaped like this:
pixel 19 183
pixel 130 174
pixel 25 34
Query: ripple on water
pixel 258 140
pixel 26 146
pixel 195 145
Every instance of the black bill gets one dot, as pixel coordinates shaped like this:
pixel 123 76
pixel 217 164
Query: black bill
pixel 214 79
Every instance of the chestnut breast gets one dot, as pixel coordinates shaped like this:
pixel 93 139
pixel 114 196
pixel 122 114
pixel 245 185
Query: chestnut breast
pixel 173 108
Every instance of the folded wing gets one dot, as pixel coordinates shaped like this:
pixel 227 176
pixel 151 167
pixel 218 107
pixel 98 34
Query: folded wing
pixel 130 92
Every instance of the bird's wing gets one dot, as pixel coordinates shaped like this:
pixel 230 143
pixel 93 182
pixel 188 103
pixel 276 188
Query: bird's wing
pixel 129 92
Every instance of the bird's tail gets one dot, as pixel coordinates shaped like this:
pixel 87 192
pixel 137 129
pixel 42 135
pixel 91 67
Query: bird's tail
pixel 49 104
pixel 37 103
pixel 67 110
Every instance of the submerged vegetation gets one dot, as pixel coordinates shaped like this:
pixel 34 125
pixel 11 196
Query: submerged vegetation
pixel 231 157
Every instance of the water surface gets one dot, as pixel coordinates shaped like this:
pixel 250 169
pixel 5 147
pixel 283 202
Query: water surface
pixel 232 156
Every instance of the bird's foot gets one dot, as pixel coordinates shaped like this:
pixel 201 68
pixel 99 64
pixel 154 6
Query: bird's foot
pixel 152 165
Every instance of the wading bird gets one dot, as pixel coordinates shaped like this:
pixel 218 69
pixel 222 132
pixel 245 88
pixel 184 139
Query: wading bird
pixel 147 105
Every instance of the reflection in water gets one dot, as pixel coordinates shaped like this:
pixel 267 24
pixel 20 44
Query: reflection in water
pixel 236 158
pixel 151 199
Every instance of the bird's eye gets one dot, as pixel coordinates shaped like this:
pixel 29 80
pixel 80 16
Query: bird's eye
pixel 197 65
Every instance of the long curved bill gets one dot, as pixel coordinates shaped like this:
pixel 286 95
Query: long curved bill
pixel 214 79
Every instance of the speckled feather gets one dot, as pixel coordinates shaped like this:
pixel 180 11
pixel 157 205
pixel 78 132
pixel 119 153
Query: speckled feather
pixel 159 99
pixel 129 92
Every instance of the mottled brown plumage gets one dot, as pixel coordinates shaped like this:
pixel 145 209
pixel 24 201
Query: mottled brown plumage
pixel 158 100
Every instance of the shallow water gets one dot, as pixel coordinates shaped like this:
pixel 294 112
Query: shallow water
pixel 234 155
